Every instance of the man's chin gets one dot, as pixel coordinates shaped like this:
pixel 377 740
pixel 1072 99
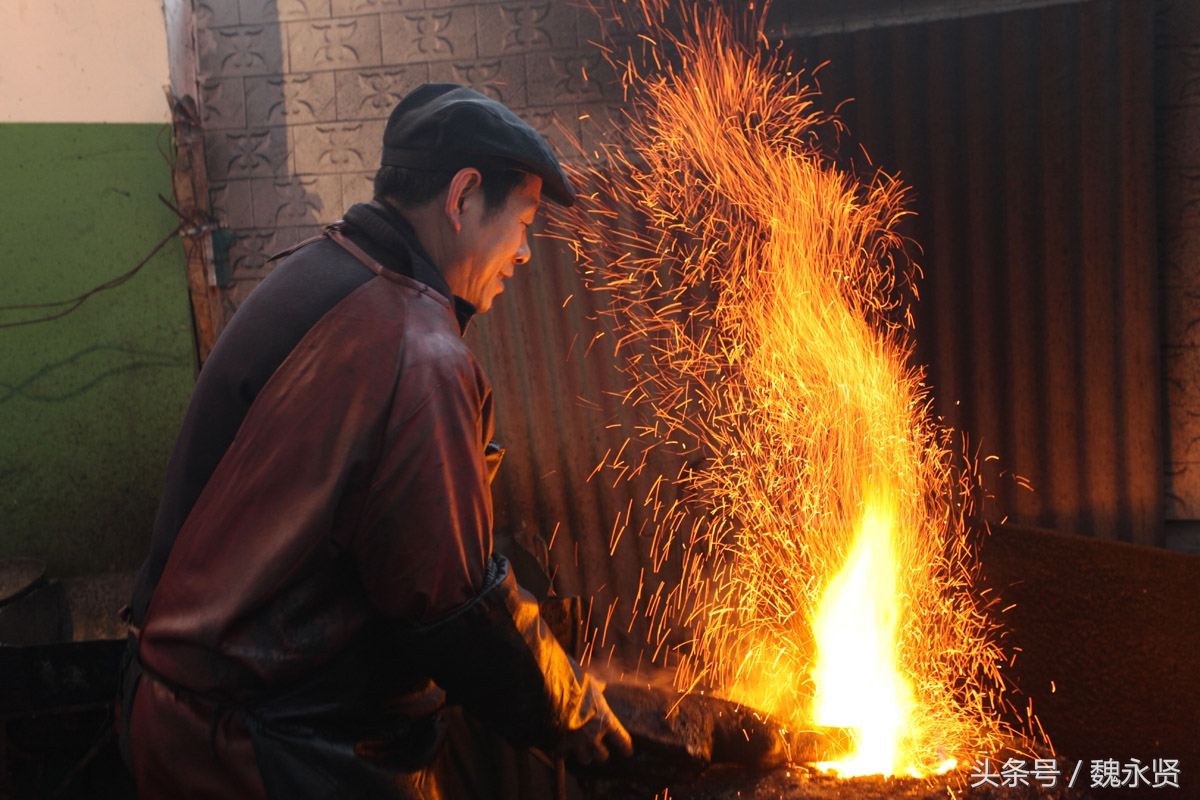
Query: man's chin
pixel 488 303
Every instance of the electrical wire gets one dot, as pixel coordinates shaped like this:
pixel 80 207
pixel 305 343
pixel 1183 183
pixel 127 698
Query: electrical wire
pixel 75 302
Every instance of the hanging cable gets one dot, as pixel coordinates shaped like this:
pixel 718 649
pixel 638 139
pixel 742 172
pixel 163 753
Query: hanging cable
pixel 75 302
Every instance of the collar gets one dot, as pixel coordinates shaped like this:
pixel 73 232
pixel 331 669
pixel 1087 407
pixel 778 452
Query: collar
pixel 394 233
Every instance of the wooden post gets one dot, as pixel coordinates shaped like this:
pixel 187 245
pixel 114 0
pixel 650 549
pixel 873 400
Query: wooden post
pixel 191 194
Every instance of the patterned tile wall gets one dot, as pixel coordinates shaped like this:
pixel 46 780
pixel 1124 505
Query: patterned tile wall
pixel 1178 151
pixel 294 95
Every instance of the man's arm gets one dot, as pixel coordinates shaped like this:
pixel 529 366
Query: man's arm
pixel 423 550
pixel 500 660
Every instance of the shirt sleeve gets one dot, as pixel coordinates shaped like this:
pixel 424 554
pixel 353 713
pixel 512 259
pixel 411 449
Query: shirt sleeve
pixel 424 540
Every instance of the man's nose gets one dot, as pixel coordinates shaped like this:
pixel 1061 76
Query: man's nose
pixel 523 253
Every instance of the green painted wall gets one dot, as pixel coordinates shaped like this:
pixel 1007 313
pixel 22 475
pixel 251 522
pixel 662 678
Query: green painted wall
pixel 90 403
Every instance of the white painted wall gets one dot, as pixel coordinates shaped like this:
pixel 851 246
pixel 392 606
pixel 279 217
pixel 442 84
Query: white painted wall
pixel 83 61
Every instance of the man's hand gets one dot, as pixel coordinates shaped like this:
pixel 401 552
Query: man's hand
pixel 592 743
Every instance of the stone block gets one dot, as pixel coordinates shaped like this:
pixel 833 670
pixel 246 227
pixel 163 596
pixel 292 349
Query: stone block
pixel 429 35
pixel 601 125
pixel 1182 315
pixel 343 8
pixel 291 99
pixel 296 201
pixel 215 13
pixel 246 154
pixel 1178 80
pixel 558 126
pixel 222 103
pixel 1178 23
pixel 609 30
pixel 357 187
pixel 1178 145
pixel 243 50
pixel 338 147
pixel 280 10
pixel 1179 227
pixel 1183 491
pixel 514 28
pixel 1181 366
pixel 558 78
pixel 252 248
pixel 373 93
pixel 502 79
pixel 232 203
pixel 334 44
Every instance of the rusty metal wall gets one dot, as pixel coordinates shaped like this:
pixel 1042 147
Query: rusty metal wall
pixel 559 415
pixel 1028 138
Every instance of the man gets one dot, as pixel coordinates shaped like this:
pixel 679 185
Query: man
pixel 321 573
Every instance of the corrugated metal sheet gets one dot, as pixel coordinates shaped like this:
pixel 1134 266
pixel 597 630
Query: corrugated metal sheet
pixel 559 414
pixel 1027 137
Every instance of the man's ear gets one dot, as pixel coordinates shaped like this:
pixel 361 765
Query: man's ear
pixel 464 189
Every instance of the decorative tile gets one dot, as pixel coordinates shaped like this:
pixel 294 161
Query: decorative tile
pixel 1181 187
pixel 502 79
pixel 215 13
pixel 252 50
pixel 357 187
pixel 601 125
pixel 429 35
pixel 236 294
pixel 558 127
pixel 1182 315
pixel 1179 252
pixel 1181 366
pixel 556 78
pixel 286 237
pixel 1178 145
pixel 279 10
pixel 251 249
pixel 231 203
pixel 338 147
pixel 334 44
pixel 373 93
pixel 222 103
pixel 514 28
pixel 602 26
pixel 1179 226
pixel 1179 23
pixel 298 200
pixel 1178 77
pixel 246 154
pixel 343 8
pixel 290 99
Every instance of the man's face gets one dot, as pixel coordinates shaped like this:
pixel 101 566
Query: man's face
pixel 493 244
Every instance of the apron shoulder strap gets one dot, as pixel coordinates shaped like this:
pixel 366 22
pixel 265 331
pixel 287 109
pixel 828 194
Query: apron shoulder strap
pixel 335 233
pixel 339 225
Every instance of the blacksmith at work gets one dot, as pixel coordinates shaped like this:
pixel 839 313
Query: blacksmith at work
pixel 321 576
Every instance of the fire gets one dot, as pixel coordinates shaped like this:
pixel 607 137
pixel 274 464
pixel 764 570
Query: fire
pixel 755 288
pixel 858 684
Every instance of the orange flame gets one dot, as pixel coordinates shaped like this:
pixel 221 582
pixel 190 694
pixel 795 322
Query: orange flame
pixel 826 572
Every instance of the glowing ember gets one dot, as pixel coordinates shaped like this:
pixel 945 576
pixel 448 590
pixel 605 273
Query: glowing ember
pixel 753 284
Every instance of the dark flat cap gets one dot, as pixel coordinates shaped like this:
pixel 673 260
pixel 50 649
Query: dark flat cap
pixel 444 126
